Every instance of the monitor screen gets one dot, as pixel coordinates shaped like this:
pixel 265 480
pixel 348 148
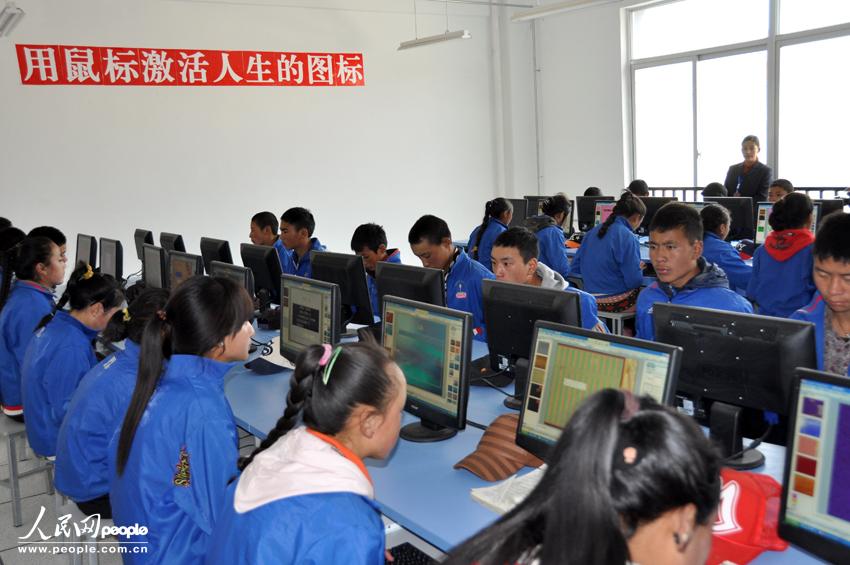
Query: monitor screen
pixel 111 258
pixel 520 212
pixel 586 210
pixel 763 227
pixel 815 512
pixel 141 237
pixel 698 206
pixel 309 314
pixel 240 275
pixel 569 364
pixel 182 267
pixel 602 211
pixel 652 203
pixel 154 266
pixel 86 249
pixel 431 345
pixel 348 272
pixel 414 283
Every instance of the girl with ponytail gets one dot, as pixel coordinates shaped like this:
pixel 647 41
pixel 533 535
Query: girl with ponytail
pixel 98 407
pixel 38 267
pixel 170 462
pixel 629 481
pixel 62 351
pixel 609 257
pixel 549 228
pixel 497 215
pixel 305 495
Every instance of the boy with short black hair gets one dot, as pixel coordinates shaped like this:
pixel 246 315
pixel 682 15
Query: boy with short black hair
pixel 684 276
pixel 715 189
pixel 514 258
pixel 264 232
pixel 431 241
pixel 778 189
pixel 296 233
pixel 830 308
pixel 369 241
pixel 54 235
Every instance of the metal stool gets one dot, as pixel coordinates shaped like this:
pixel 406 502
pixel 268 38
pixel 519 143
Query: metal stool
pixel 617 319
pixel 11 432
pixel 65 505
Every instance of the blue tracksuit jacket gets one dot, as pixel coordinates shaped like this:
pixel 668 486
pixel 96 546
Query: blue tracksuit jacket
pixel 722 254
pixel 393 256
pixel 550 238
pixel 781 282
pixel 302 266
pixel 610 265
pixel 815 312
pixel 485 248
pixel 463 291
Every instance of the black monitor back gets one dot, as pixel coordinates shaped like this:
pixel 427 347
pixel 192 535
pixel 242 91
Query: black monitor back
pixel 240 275
pixel 827 207
pixel 520 211
pixel 586 210
pixel 154 266
pixel 420 284
pixel 111 258
pixel 172 242
pixel 346 271
pixel 86 250
pixel 741 210
pixel 653 203
pixel 265 264
pixel 141 237
pixel 533 205
pixel 215 250
pixel 510 311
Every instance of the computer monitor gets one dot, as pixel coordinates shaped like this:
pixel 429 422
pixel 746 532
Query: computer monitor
pixel 182 267
pixel 347 272
pixel 154 266
pixel 586 210
pixel 653 203
pixel 602 211
pixel 86 249
pixel 520 212
pixel 738 361
pixel 309 314
pixel 111 258
pixel 763 227
pixel 570 364
pixel 172 242
pixel 264 262
pixel 240 275
pixel 698 206
pixel 815 509
pixel 215 250
pixel 534 205
pixel 432 346
pixel 141 237
pixel 827 207
pixel 741 210
pixel 414 283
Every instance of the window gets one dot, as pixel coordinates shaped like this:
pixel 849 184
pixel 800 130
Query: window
pixel 799 15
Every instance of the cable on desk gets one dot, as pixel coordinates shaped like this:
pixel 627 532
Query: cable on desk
pixel 487 382
pixel 753 444
pixel 472 424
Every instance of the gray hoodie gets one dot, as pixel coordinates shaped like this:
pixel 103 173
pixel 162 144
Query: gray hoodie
pixel 551 278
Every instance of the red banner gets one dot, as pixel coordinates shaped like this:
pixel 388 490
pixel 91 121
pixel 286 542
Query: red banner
pixel 126 66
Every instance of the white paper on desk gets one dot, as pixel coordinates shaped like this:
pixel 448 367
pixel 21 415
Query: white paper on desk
pixel 504 496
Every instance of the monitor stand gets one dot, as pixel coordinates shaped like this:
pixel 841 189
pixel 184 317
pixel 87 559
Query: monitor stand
pixel 520 371
pixel 725 431
pixel 426 432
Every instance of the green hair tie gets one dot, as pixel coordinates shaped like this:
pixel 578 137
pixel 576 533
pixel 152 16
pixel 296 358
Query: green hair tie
pixel 327 374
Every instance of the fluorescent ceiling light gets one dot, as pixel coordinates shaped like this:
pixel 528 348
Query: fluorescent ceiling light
pixel 418 42
pixel 555 8
pixel 9 18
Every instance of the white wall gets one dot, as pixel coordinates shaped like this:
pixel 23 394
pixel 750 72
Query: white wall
pixel 200 161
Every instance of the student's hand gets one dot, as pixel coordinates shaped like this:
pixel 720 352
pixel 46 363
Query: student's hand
pixel 388 556
pixel 642 265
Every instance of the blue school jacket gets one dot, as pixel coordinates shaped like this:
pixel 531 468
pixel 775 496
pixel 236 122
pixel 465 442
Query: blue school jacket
pixel 95 414
pixel 302 266
pixel 393 256
pixel 610 265
pixel 463 291
pixel 493 230
pixel 781 283
pixel 285 256
pixel 722 254
pixel 815 312
pixel 550 238
pixel 28 303
pixel 183 455
pixel 709 289
pixel 57 357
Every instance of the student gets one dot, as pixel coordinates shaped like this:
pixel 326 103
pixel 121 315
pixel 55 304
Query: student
pixel 177 448
pixel 715 189
pixel 782 267
pixel 638 187
pixel 716 223
pixel 549 228
pixel 296 233
pixel 10 238
pixel 305 495
pixel 53 235
pixel 830 308
pixel 497 216
pixel 609 257
pixel 779 188
pixel 38 268
pixel 431 241
pixel 61 352
pixel 515 260
pixel 264 232
pixel 592 191
pixel 631 481
pixel 684 276
pixel 97 409
pixel 369 241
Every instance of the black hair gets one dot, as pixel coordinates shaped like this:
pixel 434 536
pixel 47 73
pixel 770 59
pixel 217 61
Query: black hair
pixel 370 236
pixel 715 189
pixel 590 491
pixel 784 184
pixel 130 324
pixel 265 220
pixel 492 209
pixel 10 239
pixel 791 212
pixel 27 254
pixel 5 223
pixel 752 138
pixel 833 238
pixel 197 317
pixel 627 206
pixel 53 234
pixel 359 377
pixel 429 228
pixel 678 215
pixel 593 191
pixel 638 187
pixel 85 289
pixel 523 239
pixel 558 204
pixel 300 219
pixel 713 216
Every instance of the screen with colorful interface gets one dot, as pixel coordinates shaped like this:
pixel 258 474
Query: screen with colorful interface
pixel 603 210
pixel 306 313
pixel 763 228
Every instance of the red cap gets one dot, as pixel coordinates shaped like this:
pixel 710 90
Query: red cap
pixel 747 518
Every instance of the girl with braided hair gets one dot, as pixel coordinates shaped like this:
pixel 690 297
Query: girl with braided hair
pixel 305 495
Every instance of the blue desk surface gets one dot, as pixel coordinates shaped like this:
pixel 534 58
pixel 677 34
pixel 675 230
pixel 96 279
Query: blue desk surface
pixel 417 486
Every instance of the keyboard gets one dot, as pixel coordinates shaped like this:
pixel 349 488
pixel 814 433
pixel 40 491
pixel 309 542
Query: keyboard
pixel 407 554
